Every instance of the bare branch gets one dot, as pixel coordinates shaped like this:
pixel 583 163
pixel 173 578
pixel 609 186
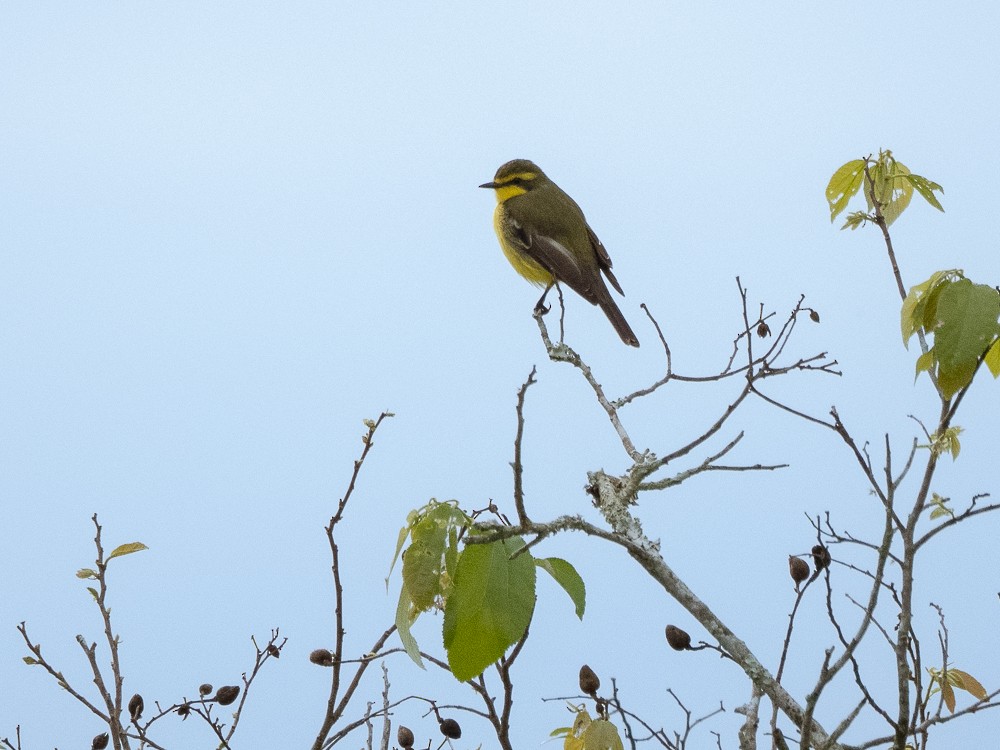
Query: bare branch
pixel 517 466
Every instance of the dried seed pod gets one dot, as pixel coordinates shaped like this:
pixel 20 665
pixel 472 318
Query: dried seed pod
pixel 135 706
pixel 184 710
pixel 601 707
pixel 590 683
pixel 821 557
pixel 100 742
pixel 274 651
pixel 814 316
pixel 227 694
pixel 450 729
pixel 763 330
pixel 678 639
pixel 204 689
pixel 404 736
pixel 798 569
pixel 321 656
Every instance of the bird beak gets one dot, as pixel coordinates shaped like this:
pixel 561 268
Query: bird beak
pixel 488 185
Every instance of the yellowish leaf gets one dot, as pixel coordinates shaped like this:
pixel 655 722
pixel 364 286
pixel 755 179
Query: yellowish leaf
pixel 602 735
pixel 844 184
pixel 898 193
pixel 968 683
pixel 948 694
pixel 925 362
pixel 926 188
pixel 127 549
pixel 992 359
pixel 575 736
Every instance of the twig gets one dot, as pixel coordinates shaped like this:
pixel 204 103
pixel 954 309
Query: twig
pixel 333 708
pixel 517 465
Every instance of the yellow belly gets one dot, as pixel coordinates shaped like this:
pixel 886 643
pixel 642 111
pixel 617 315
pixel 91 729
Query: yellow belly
pixel 523 264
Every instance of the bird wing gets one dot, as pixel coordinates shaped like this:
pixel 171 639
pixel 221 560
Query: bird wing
pixel 557 259
pixel 603 259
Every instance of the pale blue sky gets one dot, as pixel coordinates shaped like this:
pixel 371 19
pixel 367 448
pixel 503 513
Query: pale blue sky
pixel 232 231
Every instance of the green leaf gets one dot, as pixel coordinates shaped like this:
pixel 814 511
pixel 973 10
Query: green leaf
pixel 404 618
pixel 926 189
pixel 992 359
pixel 844 185
pixel 911 317
pixel 126 549
pixel 489 607
pixel 855 220
pixel 920 306
pixel 940 506
pixel 451 553
pixel 967 315
pixel 93 592
pixel 422 569
pixel 30 660
pixel 86 573
pixel 567 577
pixel 946 442
pixel 898 192
pixel 424 559
pixel 400 541
pixel 882 172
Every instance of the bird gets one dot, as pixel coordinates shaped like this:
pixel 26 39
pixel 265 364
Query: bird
pixel 547 240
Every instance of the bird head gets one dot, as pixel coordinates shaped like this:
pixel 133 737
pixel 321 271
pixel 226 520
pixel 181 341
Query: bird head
pixel 516 177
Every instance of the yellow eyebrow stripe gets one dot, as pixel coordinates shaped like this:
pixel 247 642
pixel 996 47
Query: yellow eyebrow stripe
pixel 522 176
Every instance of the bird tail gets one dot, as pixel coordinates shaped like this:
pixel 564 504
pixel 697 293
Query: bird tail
pixel 607 304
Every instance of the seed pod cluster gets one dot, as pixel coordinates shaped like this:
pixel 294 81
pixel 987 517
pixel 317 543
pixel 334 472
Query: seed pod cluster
pixel 798 569
pixel 274 651
pixel 227 694
pixel 821 557
pixel 100 742
pixel 590 683
pixel 404 736
pixel 450 729
pixel 678 639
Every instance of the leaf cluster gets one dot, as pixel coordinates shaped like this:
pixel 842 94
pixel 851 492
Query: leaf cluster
pixel 486 590
pixel 963 319
pixel 891 186
pixel 589 734
pixel 947 680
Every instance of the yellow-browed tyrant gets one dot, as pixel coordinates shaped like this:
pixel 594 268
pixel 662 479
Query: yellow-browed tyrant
pixel 545 236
